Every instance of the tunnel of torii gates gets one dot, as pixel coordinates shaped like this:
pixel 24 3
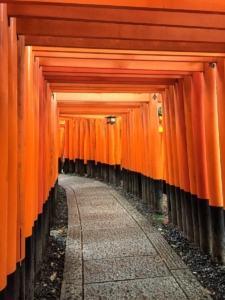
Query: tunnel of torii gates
pixel 67 65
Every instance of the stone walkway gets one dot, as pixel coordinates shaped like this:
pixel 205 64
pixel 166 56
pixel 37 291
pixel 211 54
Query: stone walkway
pixel 113 252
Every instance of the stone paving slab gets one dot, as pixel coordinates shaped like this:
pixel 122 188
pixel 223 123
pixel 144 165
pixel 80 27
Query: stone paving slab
pixel 73 219
pixel 172 260
pixel 99 209
pixel 117 249
pixel 97 236
pixel 105 216
pixel 72 291
pixel 113 252
pixel 190 285
pixel 119 222
pixel 97 202
pixel 124 268
pixel 143 289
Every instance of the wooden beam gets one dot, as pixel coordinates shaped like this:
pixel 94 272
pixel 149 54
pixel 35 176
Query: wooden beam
pixel 81 29
pixel 187 5
pixel 103 97
pixel 122 57
pixel 119 15
pixel 132 65
pixel 117 44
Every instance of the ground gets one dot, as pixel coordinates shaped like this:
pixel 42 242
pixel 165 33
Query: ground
pixel 208 273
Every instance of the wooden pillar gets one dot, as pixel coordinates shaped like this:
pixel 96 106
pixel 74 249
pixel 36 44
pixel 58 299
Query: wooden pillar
pixel 213 160
pixel 182 152
pixel 187 90
pixel 220 84
pixel 117 138
pixel 202 198
pixel 170 157
pixel 13 143
pixel 71 146
pixel 3 142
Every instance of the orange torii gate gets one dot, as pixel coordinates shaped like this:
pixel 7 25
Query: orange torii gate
pixel 79 61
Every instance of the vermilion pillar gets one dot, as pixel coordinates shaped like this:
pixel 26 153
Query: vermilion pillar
pixel 220 87
pixel 187 90
pixel 21 150
pixel 3 142
pixel 213 159
pixel 202 199
pixel 12 154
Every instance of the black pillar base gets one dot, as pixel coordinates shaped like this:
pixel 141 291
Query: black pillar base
pixel 168 203
pixel 93 169
pixel 173 205
pixel 194 204
pixel 3 294
pixel 98 170
pixel 81 169
pixel 118 175
pixel 13 284
pixel 71 166
pixel 179 209
pixel 29 268
pixel 59 165
pixel 217 233
pixel 189 217
pixel 88 168
pixel 77 166
pixel 158 195
pixel 112 174
pixel 66 166
pixel 204 225
pixel 139 186
pixel 183 209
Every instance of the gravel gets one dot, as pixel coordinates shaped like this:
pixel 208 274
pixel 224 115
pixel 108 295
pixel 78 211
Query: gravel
pixel 49 285
pixel 210 274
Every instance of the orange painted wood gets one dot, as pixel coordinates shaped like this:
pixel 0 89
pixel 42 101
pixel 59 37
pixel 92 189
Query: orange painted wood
pixel 66 149
pixel 129 64
pixel 41 145
pixel 181 138
pixel 147 140
pixel 81 141
pixel 197 105
pixel 117 44
pixel 71 139
pixel 202 5
pixel 13 143
pixel 212 137
pixel 74 139
pixel 172 99
pixel 117 138
pixel 167 127
pixel 21 150
pixel 36 135
pixel 138 147
pixel 155 142
pixel 111 144
pixel 86 140
pixel 120 15
pixel 4 142
pixel 164 140
pixel 187 91
pixel 220 84
pixel 92 127
pixel 83 29
pixel 29 188
pixel 77 142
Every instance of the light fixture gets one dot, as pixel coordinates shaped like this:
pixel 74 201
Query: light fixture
pixel 111 120
pixel 154 97
pixel 212 65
